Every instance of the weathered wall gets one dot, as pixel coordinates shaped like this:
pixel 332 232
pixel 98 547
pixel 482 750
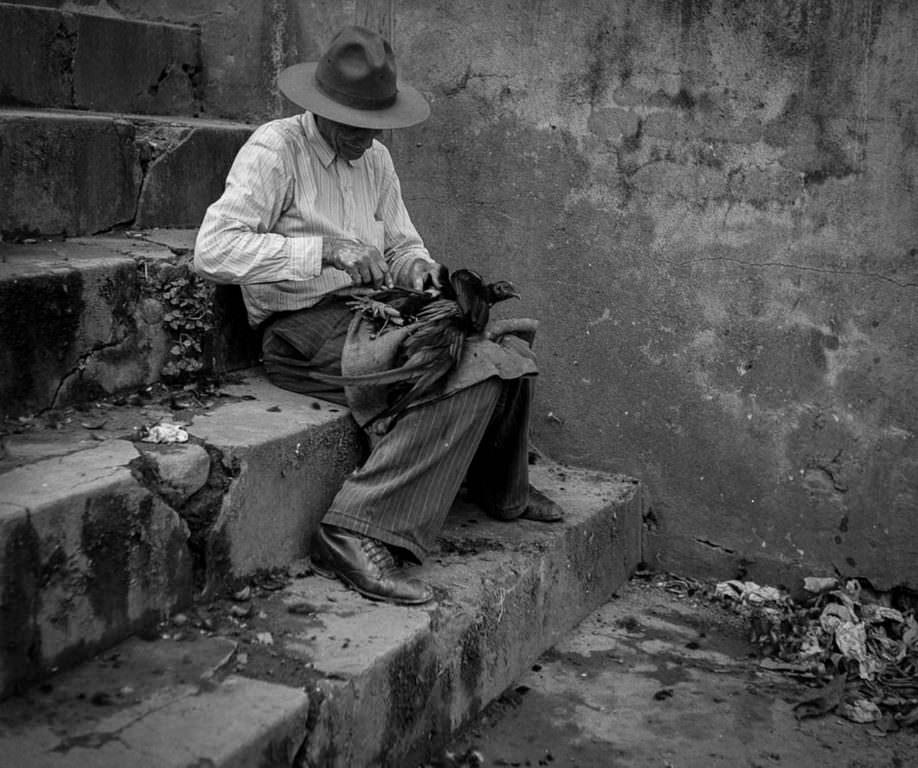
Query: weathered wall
pixel 712 208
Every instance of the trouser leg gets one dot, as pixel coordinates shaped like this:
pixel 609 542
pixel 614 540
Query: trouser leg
pixel 295 344
pixel 499 474
pixel 403 492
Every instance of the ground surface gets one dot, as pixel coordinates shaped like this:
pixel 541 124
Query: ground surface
pixel 656 679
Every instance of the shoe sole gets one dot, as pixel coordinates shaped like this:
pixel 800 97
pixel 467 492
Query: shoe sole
pixel 334 576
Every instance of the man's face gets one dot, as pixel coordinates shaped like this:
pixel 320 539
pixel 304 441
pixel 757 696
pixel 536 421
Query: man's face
pixel 348 142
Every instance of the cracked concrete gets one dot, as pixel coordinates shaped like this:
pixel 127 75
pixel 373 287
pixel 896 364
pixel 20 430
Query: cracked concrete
pixel 101 534
pixel 89 556
pixel 84 319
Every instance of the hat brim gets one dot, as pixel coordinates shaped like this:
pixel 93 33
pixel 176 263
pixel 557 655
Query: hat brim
pixel 298 83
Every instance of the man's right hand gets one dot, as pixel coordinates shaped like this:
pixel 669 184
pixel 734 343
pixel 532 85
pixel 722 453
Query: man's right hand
pixel 364 263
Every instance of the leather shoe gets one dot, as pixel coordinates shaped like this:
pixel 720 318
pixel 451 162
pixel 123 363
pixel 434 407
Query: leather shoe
pixel 542 509
pixel 365 565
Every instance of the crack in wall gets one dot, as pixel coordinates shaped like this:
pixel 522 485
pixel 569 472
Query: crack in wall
pixel 200 511
pixel 63 54
pixel 715 545
pixel 164 75
pixel 77 369
pixel 277 51
pixel 154 142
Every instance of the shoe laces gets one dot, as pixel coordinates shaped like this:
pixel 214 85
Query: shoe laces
pixel 380 556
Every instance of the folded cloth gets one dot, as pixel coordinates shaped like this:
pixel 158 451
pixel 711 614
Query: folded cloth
pixel 365 351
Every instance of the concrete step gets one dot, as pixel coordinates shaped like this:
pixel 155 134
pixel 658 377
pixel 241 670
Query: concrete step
pixel 77 173
pixel 89 317
pixel 102 534
pixel 72 60
pixel 303 672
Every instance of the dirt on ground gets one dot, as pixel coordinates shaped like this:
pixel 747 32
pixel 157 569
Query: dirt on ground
pixel 662 678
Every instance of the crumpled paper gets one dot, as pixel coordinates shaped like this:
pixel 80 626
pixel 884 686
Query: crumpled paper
pixel 817 584
pixel 843 629
pixel 165 432
pixel 748 592
pixel 860 711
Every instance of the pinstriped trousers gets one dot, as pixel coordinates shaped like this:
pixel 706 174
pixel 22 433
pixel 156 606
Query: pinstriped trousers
pixel 403 492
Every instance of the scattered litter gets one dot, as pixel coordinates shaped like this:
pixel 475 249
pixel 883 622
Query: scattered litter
pixel 243 594
pixel 241 611
pixel 840 632
pixel 301 608
pixel 860 711
pixel 165 432
pixel 823 701
pixel 264 638
pixel 817 584
pixel 471 758
pixel 271 582
pixel 748 592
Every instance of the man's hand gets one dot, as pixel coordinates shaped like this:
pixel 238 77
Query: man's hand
pixel 418 273
pixel 364 263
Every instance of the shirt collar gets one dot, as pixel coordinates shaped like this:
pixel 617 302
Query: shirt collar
pixel 325 153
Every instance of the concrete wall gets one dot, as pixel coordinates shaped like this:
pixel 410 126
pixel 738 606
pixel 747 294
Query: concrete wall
pixel 712 208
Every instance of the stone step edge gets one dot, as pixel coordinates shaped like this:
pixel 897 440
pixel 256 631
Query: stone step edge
pixel 94 12
pixel 266 452
pixel 497 610
pixel 61 114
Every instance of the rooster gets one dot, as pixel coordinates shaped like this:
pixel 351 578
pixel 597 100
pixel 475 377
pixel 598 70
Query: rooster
pixel 439 319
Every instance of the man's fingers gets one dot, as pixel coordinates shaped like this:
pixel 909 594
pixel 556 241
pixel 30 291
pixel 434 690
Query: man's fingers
pixel 364 264
pixel 377 272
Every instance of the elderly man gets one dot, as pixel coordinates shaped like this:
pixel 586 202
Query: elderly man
pixel 312 210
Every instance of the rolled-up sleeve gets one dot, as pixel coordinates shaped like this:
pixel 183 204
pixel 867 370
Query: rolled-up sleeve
pixel 235 243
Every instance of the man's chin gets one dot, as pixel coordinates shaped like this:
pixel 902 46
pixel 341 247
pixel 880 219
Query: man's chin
pixel 352 154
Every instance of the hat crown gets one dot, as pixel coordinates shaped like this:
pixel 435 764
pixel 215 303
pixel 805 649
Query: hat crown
pixel 358 70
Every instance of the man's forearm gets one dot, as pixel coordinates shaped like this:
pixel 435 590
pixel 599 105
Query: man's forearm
pixel 229 252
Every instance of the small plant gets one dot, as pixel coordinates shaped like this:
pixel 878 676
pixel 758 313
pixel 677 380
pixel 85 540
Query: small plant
pixel 188 318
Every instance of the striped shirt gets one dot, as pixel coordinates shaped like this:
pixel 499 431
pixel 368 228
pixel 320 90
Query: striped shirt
pixel 287 190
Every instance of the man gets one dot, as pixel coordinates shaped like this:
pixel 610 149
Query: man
pixel 312 209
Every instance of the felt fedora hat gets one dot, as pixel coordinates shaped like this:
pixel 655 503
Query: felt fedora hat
pixel 355 83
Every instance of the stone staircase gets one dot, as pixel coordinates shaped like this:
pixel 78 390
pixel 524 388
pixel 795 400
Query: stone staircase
pixel 156 608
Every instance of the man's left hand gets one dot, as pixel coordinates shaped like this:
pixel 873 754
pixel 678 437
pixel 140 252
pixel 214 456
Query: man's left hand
pixel 421 272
